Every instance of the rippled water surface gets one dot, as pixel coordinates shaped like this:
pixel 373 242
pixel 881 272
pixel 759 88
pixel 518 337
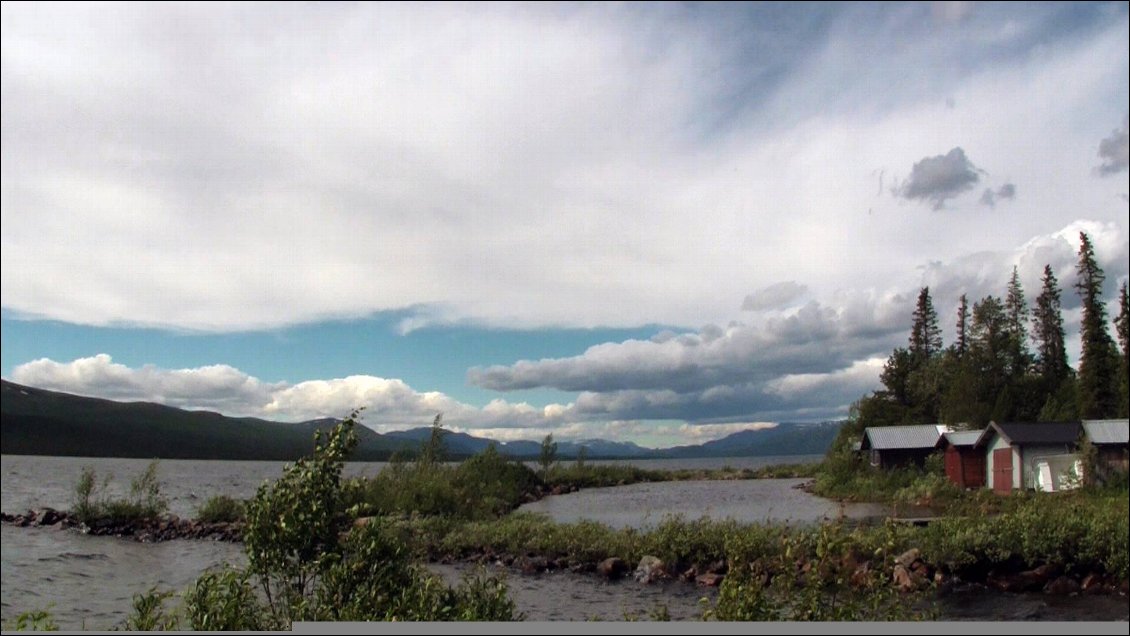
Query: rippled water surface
pixel 88 582
pixel 752 500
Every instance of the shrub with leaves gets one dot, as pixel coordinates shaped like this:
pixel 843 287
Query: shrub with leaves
pixel 145 501
pixel 221 509
pixel 309 561
pixel 33 621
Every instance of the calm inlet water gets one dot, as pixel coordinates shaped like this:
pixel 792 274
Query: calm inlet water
pixel 88 582
pixel 753 500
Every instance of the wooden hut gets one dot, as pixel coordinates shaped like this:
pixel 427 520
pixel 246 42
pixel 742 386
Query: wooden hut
pixel 1029 455
pixel 889 446
pixel 965 463
pixel 1111 439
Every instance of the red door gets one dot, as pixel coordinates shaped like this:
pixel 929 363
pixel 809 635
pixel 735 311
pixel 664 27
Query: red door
pixel 1002 470
pixel 953 467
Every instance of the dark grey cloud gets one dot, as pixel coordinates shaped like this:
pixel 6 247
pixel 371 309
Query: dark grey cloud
pixel 815 339
pixel 774 296
pixel 941 177
pixel 1115 151
pixel 990 197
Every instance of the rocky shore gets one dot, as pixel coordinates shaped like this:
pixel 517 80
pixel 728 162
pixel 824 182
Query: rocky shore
pixel 909 572
pixel 165 528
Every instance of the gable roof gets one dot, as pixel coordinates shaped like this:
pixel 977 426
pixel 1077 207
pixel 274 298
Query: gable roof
pixel 1022 433
pixel 1107 431
pixel 961 438
pixel 891 437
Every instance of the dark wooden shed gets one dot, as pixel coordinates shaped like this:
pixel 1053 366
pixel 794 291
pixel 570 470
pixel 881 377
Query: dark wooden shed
pixel 890 446
pixel 1111 439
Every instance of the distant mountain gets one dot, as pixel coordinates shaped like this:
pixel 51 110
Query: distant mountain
pixel 783 439
pixel 40 422
pixel 454 444
pixel 604 448
pixel 461 444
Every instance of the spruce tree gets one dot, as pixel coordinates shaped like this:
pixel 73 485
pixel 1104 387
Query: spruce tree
pixel 1098 362
pixel 1016 312
pixel 989 349
pixel 962 343
pixel 1047 330
pixel 1122 328
pixel 925 335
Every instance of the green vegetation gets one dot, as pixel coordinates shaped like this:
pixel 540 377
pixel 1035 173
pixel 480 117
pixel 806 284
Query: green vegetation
pixel 33 621
pixel 548 455
pixel 310 560
pixel 222 509
pixel 817 576
pixel 93 503
pixel 485 486
pixel 989 373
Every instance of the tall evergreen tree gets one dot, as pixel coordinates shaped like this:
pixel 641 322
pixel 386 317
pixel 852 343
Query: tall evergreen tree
pixel 925 334
pixel 1016 311
pixel 1047 330
pixel 1122 322
pixel 1098 362
pixel 1122 328
pixel 989 336
pixel 962 343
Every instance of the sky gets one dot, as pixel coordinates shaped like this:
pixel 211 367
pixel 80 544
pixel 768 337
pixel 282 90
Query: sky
pixel 659 223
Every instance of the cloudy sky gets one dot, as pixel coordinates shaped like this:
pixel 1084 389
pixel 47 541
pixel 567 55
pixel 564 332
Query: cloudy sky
pixel 660 223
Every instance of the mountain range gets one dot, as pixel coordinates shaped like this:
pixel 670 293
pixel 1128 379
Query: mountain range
pixel 41 422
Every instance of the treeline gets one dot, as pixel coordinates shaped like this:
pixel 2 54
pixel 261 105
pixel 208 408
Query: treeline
pixel 1008 361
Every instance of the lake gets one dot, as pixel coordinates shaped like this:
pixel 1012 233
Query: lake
pixel 88 582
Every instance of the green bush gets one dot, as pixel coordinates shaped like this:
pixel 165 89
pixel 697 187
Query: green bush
pixel 33 621
pixel 812 575
pixel 145 501
pixel 309 561
pixel 224 600
pixel 221 509
pixel 149 613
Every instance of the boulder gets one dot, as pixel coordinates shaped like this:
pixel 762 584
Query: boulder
pixel 710 579
pixel 907 559
pixel 650 569
pixel 612 568
pixel 1092 584
pixel 861 575
pixel 718 567
pixel 1063 586
pixel 905 580
pixel 534 565
pixel 48 517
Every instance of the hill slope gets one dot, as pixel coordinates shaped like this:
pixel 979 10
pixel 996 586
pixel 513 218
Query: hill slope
pixel 40 422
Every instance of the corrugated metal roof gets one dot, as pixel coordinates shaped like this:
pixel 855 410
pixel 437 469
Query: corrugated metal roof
pixel 1037 432
pixel 889 437
pixel 963 438
pixel 1107 431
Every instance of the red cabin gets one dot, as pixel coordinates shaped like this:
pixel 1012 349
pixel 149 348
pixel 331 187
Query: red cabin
pixel 965 464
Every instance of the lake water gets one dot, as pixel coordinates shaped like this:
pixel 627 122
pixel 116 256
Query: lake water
pixel 88 582
pixel 745 500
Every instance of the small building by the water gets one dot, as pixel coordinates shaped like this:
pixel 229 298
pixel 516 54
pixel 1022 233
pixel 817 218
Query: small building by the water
pixel 965 463
pixel 890 446
pixel 1030 455
pixel 1111 439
